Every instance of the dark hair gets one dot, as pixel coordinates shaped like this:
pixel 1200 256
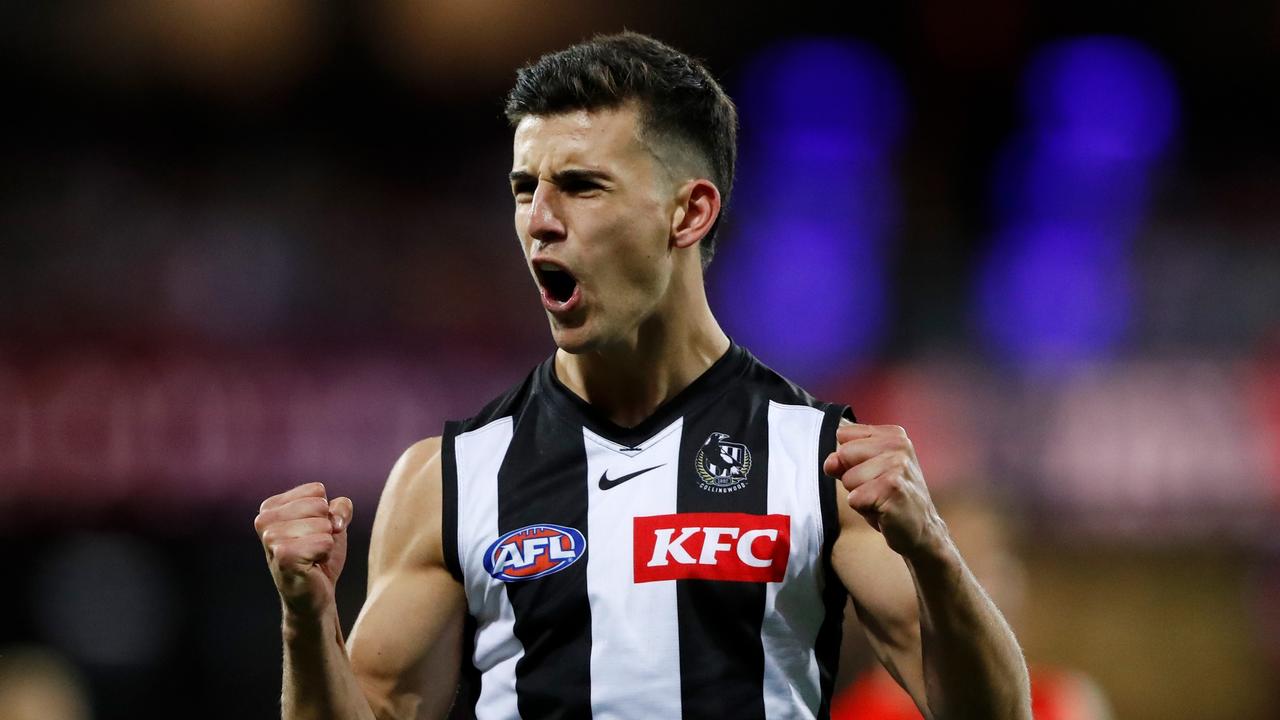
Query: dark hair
pixel 678 99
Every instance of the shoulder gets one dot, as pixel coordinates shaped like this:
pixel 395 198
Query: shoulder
pixel 509 403
pixel 762 379
pixel 407 529
pixel 416 473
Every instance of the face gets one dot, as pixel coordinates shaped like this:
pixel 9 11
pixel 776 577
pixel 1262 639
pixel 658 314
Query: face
pixel 593 211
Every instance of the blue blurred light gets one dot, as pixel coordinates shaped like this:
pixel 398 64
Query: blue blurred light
pixel 1104 97
pixel 1071 192
pixel 802 280
pixel 1054 295
pixel 1082 191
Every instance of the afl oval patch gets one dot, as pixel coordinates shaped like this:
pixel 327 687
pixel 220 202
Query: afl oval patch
pixel 534 551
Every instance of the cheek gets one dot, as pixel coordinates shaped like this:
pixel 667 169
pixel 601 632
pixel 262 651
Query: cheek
pixel 641 261
pixel 521 223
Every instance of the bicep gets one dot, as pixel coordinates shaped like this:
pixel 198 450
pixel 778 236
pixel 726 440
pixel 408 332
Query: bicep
pixel 884 597
pixel 406 645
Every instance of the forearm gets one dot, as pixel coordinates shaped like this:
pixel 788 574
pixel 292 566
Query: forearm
pixel 319 683
pixel 972 663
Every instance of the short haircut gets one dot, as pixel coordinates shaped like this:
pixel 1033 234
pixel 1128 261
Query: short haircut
pixel 678 99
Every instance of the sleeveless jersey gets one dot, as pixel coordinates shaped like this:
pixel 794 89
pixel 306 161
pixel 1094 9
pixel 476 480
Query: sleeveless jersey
pixel 676 569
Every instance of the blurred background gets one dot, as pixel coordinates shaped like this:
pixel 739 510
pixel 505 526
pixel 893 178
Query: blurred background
pixel 246 244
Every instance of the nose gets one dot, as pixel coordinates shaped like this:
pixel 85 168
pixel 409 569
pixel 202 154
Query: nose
pixel 545 224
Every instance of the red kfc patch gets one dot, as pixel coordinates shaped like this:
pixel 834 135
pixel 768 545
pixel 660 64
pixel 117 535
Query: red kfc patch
pixel 738 547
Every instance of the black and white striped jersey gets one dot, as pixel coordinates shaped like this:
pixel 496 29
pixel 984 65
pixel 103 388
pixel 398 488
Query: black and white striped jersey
pixel 677 569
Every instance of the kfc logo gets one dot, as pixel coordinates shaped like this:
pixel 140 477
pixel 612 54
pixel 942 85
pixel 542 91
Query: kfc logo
pixel 737 547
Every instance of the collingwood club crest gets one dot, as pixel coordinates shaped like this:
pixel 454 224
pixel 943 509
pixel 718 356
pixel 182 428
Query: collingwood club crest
pixel 722 465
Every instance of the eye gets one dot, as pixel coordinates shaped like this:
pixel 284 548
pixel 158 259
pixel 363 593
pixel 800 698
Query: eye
pixel 522 191
pixel 581 187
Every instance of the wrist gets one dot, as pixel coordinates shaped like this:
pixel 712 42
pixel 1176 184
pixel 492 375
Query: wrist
pixel 302 625
pixel 935 549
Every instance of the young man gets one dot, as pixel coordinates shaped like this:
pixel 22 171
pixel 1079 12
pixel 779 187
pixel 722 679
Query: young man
pixel 648 525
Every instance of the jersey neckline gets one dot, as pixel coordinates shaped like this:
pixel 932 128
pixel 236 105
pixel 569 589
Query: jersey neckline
pixel 711 384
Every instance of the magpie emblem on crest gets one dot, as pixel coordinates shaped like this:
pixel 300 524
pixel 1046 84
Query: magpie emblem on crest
pixel 723 465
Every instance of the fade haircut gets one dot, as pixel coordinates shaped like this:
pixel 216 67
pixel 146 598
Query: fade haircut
pixel 678 100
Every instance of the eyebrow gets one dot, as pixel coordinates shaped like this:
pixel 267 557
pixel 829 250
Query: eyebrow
pixel 564 176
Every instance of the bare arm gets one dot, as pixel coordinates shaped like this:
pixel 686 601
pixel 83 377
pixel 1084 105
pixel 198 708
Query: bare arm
pixel 403 658
pixel 928 620
pixel 406 645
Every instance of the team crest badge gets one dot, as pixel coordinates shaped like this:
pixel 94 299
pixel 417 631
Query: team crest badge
pixel 722 464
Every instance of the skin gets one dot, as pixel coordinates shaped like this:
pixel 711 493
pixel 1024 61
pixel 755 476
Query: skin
pixel 643 330
pixel 624 213
pixel 977 526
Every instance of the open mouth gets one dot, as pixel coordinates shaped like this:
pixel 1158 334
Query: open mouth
pixel 558 284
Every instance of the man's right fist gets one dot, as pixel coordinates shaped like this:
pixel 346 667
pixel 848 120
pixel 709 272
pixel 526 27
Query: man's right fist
pixel 305 537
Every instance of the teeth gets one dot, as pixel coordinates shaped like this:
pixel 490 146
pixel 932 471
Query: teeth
pixel 547 266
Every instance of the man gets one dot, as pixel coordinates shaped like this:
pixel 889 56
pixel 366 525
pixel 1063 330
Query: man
pixel 647 526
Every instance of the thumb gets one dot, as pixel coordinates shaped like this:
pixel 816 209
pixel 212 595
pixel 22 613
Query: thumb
pixel 832 465
pixel 340 511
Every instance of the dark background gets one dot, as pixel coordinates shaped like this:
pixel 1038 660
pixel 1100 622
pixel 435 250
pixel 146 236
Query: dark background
pixel 247 244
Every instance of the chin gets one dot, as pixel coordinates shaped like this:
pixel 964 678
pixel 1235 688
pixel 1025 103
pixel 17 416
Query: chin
pixel 573 340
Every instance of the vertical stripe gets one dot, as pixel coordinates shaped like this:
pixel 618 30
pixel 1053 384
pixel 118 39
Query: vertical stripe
pixel 464 702
pixel 635 652
pixel 827 647
pixel 478 454
pixel 449 500
pixel 721 657
pixel 541 481
pixel 468 694
pixel 792 611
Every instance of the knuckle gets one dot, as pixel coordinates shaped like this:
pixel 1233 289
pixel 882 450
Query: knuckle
pixel 313 507
pixel 280 554
pixel 899 446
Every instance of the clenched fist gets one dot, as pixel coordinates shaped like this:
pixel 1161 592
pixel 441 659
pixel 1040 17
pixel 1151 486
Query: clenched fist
pixel 878 466
pixel 305 537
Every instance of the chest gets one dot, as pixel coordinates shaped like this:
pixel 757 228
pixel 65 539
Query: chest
pixel 568 519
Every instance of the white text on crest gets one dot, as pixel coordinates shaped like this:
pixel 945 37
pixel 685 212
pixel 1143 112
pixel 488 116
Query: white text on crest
pixel 525 552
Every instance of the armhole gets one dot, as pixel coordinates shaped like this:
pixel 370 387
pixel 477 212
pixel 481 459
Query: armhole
pixel 834 595
pixel 449 504
pixel 826 486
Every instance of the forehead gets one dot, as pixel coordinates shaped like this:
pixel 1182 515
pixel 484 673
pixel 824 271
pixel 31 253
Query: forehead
pixel 595 138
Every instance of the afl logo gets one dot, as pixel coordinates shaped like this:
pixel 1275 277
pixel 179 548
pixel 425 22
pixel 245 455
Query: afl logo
pixel 534 551
pixel 722 465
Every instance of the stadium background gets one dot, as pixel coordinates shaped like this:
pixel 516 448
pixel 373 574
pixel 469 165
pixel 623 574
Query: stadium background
pixel 246 244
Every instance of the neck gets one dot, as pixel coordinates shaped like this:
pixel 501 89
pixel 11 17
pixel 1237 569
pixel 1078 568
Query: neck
pixel 628 381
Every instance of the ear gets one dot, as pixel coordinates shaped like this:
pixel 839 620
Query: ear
pixel 698 206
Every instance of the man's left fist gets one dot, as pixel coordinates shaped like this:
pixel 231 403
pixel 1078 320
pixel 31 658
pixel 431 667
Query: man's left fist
pixel 878 466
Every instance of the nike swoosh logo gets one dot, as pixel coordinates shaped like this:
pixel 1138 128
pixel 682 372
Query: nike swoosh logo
pixel 606 483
